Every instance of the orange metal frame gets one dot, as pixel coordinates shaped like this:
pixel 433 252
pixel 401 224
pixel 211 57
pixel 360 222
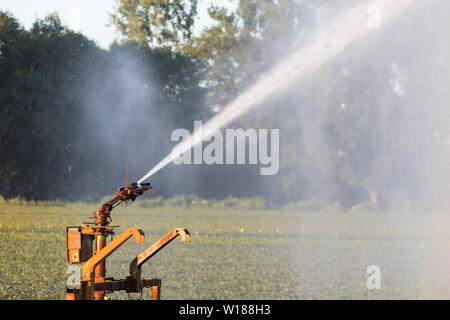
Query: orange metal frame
pixel 94 284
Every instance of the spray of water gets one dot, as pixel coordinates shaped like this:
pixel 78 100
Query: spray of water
pixel 327 43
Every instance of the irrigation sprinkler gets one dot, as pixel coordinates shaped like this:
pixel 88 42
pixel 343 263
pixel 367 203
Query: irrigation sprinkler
pixel 81 241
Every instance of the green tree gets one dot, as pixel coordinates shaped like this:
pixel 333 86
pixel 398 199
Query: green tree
pixel 43 73
pixel 155 22
pixel 14 109
pixel 241 45
pixel 64 103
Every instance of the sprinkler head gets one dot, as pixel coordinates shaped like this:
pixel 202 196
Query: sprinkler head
pixel 145 186
pixel 134 190
pixel 137 187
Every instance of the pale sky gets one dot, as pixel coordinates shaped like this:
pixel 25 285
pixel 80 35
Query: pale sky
pixel 88 16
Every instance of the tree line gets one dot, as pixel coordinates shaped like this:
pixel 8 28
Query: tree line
pixel 73 114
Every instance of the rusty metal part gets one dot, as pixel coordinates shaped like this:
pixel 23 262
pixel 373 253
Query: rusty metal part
pixel 87 284
pixel 136 264
pixel 145 255
pixel 111 285
pixel 79 247
pixel 155 293
pixel 101 229
pixel 94 283
pixel 100 269
pixel 133 283
pixel 89 266
pixel 102 215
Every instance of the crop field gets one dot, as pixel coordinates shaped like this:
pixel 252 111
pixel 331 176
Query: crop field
pixel 235 254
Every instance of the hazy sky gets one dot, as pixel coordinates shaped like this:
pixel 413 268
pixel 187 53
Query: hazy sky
pixel 88 16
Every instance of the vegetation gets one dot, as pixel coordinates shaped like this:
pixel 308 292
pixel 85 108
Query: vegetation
pixel 72 114
pixel 358 141
pixel 234 254
pixel 156 22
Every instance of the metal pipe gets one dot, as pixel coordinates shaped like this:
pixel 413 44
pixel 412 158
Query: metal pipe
pixel 100 269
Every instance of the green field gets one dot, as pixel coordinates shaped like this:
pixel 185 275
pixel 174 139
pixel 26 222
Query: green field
pixel 235 254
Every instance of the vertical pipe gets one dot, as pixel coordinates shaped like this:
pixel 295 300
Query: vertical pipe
pixel 100 270
pixel 155 292
pixel 70 295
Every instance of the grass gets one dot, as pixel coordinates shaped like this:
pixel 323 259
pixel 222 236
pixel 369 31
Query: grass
pixel 234 253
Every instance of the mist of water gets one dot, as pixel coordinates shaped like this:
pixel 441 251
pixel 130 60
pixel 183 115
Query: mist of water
pixel 324 45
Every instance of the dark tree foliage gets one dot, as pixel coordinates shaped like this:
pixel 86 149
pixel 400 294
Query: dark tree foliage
pixel 368 127
pixel 42 72
pixel 55 82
